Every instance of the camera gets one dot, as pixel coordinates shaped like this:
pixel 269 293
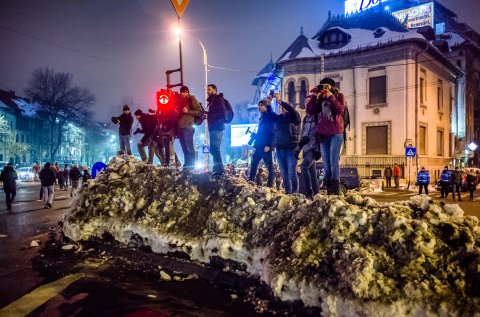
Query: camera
pixel 115 120
pixel 323 87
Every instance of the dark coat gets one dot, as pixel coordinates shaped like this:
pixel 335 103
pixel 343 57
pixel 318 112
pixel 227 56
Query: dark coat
pixel 456 178
pixel 194 110
pixel 47 177
pixel 74 173
pixel 330 111
pixel 8 177
pixel 125 124
pixel 388 172
pixel 423 177
pixel 287 127
pixel 265 133
pixel 216 112
pixel 148 123
pixel 86 176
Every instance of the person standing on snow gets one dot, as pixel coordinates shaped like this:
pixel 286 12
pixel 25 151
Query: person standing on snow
pixel 216 114
pixel 8 178
pixel 124 121
pixel 423 179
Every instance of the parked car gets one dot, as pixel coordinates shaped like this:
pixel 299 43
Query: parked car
pixel 25 173
pixel 349 178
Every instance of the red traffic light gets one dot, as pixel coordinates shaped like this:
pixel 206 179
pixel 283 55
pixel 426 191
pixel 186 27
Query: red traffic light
pixel 166 100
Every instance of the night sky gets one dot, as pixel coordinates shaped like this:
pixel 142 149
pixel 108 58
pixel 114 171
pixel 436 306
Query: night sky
pixel 120 49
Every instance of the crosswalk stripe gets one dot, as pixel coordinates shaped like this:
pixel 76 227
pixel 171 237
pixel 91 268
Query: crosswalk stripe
pixel 29 302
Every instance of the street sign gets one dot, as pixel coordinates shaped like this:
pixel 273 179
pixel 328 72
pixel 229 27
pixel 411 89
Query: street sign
pixel 180 6
pixel 410 152
pixel 97 168
pixel 163 99
pixel 205 149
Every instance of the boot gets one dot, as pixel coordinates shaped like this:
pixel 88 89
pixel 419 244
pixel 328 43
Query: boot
pixel 335 187
pixel 328 185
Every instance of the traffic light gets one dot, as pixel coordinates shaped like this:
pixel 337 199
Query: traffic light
pixel 167 111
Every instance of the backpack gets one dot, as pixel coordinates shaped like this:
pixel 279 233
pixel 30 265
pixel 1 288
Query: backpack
pixel 198 120
pixel 346 123
pixel 229 115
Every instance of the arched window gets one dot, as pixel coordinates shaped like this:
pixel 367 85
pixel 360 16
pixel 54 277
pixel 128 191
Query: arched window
pixel 291 93
pixel 303 93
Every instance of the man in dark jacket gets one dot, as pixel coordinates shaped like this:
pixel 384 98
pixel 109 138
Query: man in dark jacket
pixel 310 147
pixel 148 123
pixel 189 108
pixel 47 179
pixel 388 173
pixel 423 179
pixel 216 115
pixel 286 140
pixel 456 181
pixel 8 178
pixel 263 140
pixel 125 121
pixel 74 177
pixel 445 182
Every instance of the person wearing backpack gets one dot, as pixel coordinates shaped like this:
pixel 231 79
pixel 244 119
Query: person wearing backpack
pixel 330 109
pixel 217 116
pixel 189 108
pixel 445 182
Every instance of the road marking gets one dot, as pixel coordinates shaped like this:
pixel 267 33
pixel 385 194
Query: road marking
pixel 31 301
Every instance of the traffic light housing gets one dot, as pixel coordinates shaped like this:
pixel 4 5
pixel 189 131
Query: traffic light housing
pixel 167 111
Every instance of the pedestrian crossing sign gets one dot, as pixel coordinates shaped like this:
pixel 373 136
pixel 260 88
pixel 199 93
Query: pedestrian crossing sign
pixel 410 152
pixel 205 149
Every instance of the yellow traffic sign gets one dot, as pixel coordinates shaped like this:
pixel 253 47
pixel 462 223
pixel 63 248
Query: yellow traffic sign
pixel 180 6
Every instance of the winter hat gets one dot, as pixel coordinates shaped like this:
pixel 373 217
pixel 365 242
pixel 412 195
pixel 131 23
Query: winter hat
pixel 47 165
pixel 138 113
pixel 184 89
pixel 329 81
pixel 85 168
pixel 126 107
pixel 314 90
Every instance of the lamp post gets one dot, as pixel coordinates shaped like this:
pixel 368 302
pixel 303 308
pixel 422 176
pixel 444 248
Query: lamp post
pixel 205 64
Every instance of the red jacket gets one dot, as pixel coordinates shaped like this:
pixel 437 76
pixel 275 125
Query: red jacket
pixel 396 171
pixel 330 112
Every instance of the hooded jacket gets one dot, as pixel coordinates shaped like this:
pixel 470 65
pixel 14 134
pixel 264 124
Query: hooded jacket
pixel 216 112
pixel 287 127
pixel 148 124
pixel 330 111
pixel 8 177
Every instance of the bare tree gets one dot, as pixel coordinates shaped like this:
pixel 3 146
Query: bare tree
pixel 61 101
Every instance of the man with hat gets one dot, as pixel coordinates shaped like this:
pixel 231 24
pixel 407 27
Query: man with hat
pixel 189 108
pixel 125 122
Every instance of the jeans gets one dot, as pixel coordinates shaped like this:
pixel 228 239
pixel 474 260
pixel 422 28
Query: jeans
pixel 125 144
pixel 48 194
pixel 288 168
pixel 215 142
pixel 267 157
pixel 185 135
pixel 9 197
pixel 309 173
pixel 330 148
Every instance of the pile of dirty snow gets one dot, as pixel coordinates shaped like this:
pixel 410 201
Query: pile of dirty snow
pixel 368 186
pixel 348 255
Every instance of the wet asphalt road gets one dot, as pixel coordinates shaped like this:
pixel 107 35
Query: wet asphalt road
pixel 106 282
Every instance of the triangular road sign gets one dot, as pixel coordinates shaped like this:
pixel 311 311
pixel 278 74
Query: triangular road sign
pixel 180 6
pixel 410 152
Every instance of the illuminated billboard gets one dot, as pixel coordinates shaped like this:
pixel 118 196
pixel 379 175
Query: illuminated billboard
pixel 352 6
pixel 416 17
pixel 239 135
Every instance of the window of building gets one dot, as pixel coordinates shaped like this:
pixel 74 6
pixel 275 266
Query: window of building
pixel 422 90
pixel 422 140
pixel 377 140
pixel 303 93
pixel 378 90
pixel 291 93
pixel 440 142
pixel 333 37
pixel 17 138
pixel 440 96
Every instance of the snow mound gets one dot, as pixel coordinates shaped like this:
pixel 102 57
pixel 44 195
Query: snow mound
pixel 348 255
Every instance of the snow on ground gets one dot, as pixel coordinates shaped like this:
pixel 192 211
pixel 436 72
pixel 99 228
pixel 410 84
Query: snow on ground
pixel 351 256
pixel 370 186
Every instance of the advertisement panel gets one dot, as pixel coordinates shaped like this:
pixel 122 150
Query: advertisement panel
pixel 416 17
pixel 352 6
pixel 240 133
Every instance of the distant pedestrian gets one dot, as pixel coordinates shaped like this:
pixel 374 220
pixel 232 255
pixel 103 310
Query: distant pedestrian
pixel 286 140
pixel 330 106
pixel 189 108
pixel 472 181
pixel 66 172
pixel 47 179
pixel 74 176
pixel 125 122
pixel 423 179
pixel 456 182
pixel 86 175
pixel 445 182
pixel 388 173
pixel 216 117
pixel 36 169
pixel 8 178
pixel 396 175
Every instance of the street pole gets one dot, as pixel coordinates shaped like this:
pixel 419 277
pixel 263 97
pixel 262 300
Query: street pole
pixel 180 51
pixel 206 156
